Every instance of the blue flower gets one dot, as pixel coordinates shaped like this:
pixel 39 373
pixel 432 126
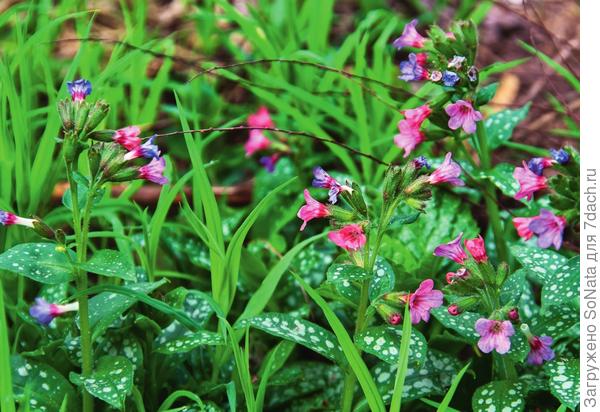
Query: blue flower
pixel 420 162
pixel 560 155
pixel 79 89
pixel 450 78
pixel 413 69
pixel 538 164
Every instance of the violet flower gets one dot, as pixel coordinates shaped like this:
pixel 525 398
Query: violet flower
pixel 529 182
pixel 462 114
pixel 410 37
pixel 494 334
pixel 153 171
pixel 423 300
pixel 79 89
pixel 148 150
pixel 45 312
pixel 549 229
pixel 452 250
pixel 414 69
pixel 449 171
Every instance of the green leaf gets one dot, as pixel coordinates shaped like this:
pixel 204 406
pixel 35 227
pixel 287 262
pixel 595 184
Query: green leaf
pixel 445 405
pixel 301 331
pixel 540 263
pixel 190 340
pixel 563 380
pixel 351 273
pixel 82 192
pixel 111 380
pixel 464 323
pixel 555 320
pixel 42 386
pixel 500 126
pixel 384 278
pixel 500 396
pixel 384 342
pixel 519 347
pixel 485 94
pixel 502 177
pixel 112 263
pixel 513 287
pixel 38 261
pixel 563 71
pixel 563 286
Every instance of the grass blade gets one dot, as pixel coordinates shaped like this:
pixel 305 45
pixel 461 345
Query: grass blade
pixel 562 71
pixel 402 362
pixel 446 401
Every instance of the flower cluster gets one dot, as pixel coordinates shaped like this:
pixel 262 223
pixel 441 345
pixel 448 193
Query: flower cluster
pixel 259 142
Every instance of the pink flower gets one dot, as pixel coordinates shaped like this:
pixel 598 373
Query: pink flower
pixel 522 226
pixel 423 300
pixel 452 250
pixel 324 180
pixel 529 182
pixel 262 118
pixel 449 171
pixel 395 319
pixel 494 334
pixel 128 137
pixel 410 129
pixel 153 171
pixel 549 229
pixel 463 114
pixel 410 37
pixel 452 277
pixel 8 218
pixel 45 312
pixel 513 314
pixel 476 248
pixel 256 142
pixel 311 210
pixel 540 350
pixel 350 237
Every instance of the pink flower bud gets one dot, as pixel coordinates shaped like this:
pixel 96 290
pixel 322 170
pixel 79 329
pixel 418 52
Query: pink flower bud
pixel 476 248
pixel 513 314
pixel 454 310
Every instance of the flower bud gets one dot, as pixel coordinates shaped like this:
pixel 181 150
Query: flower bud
pixel 97 113
pixel 454 310
pixel 513 315
pixel 393 176
pixel 460 274
pixel 389 314
pixel 395 298
pixel 94 157
pixel 82 110
pixel 59 236
pixel 476 248
pixel 65 111
pixel 356 200
pixel 340 214
pixel 102 135
pixel 43 229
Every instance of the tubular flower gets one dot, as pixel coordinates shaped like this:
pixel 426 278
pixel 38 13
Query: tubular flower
pixel 456 62
pixel 494 334
pixel 8 218
pixel 561 156
pixel 539 350
pixel 549 229
pixel 452 250
pixel 453 277
pixel 350 237
pixel 462 114
pixel 414 69
pixel 476 248
pixel 410 37
pixel 153 171
pixel 79 89
pixel 311 210
pixel 45 312
pixel 324 180
pixel 420 162
pixel 261 118
pixel 256 142
pixel 450 78
pixel 128 137
pixel 148 150
pixel 423 300
pixel 522 226
pixel 410 135
pixel 448 171
pixel 538 164
pixel 269 162
pixel 529 182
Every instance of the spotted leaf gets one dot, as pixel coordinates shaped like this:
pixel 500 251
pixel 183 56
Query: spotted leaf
pixel 384 342
pixel 502 177
pixel 110 263
pixel 352 273
pixel 563 286
pixel 555 320
pixel 500 396
pixel 190 340
pixel 464 323
pixel 111 381
pixel 540 263
pixel 563 379
pixel 383 280
pixel 500 126
pixel 38 261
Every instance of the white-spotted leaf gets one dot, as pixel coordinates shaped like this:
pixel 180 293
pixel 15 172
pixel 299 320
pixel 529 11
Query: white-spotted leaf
pixel 500 126
pixel 352 273
pixel 500 396
pixel 383 280
pixel 464 323
pixel 563 379
pixel 563 286
pixel 111 380
pixel 110 263
pixel 384 342
pixel 38 261
pixel 540 263
pixel 190 340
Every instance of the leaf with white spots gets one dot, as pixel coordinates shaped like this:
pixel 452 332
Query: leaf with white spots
pixel 563 380
pixel 383 280
pixel 555 321
pixel 464 323
pixel 563 286
pixel 42 386
pixel 111 380
pixel 190 340
pixel 110 263
pixel 502 177
pixel 513 287
pixel 540 263
pixel 528 309
pixel 116 343
pixel 301 331
pixel 384 342
pixel 500 396
pixel 352 273
pixel 519 347
pixel 54 293
pixel 500 126
pixel 38 261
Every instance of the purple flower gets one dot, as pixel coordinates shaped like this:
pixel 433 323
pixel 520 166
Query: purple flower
pixel 423 300
pixel 410 37
pixel 45 312
pixel 79 89
pixel 494 334
pixel 560 155
pixel 269 162
pixel 420 162
pixel 549 228
pixel 463 114
pixel 538 164
pixel 324 180
pixel 414 68
pixel 449 171
pixel 148 150
pixel 8 218
pixel 153 171
pixel 450 78
pixel 540 350
pixel 452 250
pixel 529 182
pixel 472 74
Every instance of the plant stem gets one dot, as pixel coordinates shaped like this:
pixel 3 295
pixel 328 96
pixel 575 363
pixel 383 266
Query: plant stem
pixel 491 204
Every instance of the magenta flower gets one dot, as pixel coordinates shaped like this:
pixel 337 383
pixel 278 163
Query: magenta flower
pixel 410 37
pixel 452 277
pixel 454 310
pixel 256 142
pixel 153 171
pixel 449 171
pixel 522 226
pixel 462 114
pixel 476 248
pixel 8 218
pixel 148 150
pixel 423 300
pixel 324 180
pixel 45 312
pixel 350 237
pixel 311 210
pixel 549 229
pixel 128 137
pixel 414 69
pixel 494 334
pixel 410 135
pixel 79 89
pixel 529 182
pixel 452 250
pixel 261 118
pixel 540 350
